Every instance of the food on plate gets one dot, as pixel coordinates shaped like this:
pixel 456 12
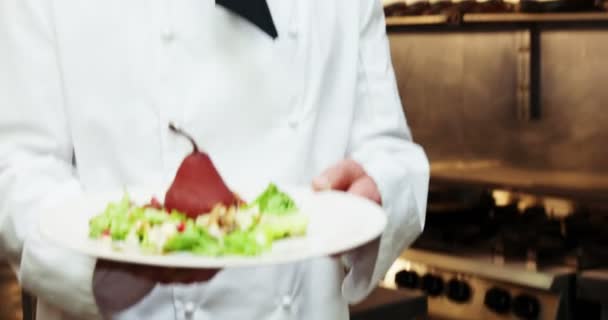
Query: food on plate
pixel 245 229
pixel 200 215
pixel 198 186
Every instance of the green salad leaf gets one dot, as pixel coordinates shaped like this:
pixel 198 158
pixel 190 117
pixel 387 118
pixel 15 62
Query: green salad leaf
pixel 114 220
pixel 283 226
pixel 98 225
pixel 154 216
pixel 274 201
pixel 188 239
pixel 247 243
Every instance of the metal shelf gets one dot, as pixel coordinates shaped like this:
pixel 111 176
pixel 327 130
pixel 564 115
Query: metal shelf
pixel 534 17
pixel 417 20
pixel 586 186
pixel 474 18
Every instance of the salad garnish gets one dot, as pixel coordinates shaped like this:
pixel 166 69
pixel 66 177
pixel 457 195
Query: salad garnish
pixel 245 229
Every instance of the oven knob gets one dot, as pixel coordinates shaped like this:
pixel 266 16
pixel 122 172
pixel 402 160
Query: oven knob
pixel 459 291
pixel 407 279
pixel 498 300
pixel 432 285
pixel 526 307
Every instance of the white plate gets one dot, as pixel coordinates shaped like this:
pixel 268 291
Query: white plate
pixel 338 222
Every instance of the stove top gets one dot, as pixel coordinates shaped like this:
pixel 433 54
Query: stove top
pixel 530 237
pixel 491 259
pixel 478 287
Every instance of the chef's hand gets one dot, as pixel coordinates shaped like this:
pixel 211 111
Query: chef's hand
pixel 118 286
pixel 349 176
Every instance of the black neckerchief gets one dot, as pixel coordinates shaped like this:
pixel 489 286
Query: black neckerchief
pixel 255 11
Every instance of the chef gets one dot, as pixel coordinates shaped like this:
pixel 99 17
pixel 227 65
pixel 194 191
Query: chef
pixel 292 91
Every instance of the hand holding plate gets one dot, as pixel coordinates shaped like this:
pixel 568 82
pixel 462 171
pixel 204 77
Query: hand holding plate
pixel 349 176
pixel 118 286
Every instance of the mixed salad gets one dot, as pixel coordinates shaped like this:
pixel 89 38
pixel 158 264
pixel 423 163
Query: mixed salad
pixel 246 229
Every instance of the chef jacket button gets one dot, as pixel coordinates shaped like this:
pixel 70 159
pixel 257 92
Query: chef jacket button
pixel 293 32
pixel 293 123
pixel 189 309
pixel 167 35
pixel 293 29
pixel 286 302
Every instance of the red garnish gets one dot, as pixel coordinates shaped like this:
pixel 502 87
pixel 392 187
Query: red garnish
pixel 106 232
pixel 154 203
pixel 181 227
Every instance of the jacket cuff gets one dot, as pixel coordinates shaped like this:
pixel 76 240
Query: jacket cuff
pixel 59 277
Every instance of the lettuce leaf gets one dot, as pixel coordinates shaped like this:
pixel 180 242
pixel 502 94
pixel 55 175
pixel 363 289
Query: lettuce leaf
pixel 185 240
pixel 283 226
pixel 114 218
pixel 274 201
pixel 120 227
pixel 98 225
pixel 246 243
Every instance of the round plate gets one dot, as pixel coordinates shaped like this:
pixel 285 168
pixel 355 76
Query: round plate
pixel 338 222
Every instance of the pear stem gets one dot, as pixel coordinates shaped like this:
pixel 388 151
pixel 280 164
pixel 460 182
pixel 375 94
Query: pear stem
pixel 181 132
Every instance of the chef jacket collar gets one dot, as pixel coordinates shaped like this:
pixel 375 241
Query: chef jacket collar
pixel 255 11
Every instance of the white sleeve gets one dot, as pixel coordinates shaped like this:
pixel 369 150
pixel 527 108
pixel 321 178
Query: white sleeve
pixel 36 169
pixel 381 142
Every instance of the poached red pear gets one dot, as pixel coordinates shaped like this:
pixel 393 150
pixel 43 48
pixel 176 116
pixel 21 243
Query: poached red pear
pixel 198 186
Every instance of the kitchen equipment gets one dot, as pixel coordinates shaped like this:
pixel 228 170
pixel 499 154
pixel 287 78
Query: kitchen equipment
pixel 479 287
pixel 492 6
pixel 390 304
pixel 542 6
pixel 508 257
pixel 448 7
pixel 394 8
pixel 439 6
pixel 417 7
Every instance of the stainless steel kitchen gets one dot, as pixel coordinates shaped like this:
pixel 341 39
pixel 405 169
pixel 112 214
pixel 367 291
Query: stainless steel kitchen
pixel 507 98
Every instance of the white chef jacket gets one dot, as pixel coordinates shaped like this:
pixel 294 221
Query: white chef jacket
pixel 87 89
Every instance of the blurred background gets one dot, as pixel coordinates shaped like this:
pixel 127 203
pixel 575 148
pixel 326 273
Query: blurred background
pixel 10 294
pixel 508 99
